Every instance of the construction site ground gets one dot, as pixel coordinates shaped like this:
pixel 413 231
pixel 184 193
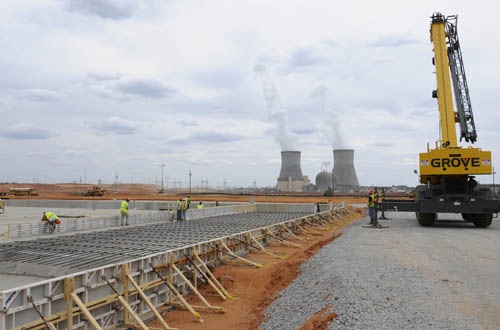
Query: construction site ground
pixel 255 288
pixel 67 191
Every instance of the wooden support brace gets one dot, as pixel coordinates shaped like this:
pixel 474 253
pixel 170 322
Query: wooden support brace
pixel 211 277
pixel 309 222
pixel 284 241
pixel 197 293
pixel 313 232
pixel 69 287
pixel 136 317
pixel 285 229
pixel 85 311
pixel 197 307
pixel 127 306
pixel 207 277
pixel 148 302
pixel 181 298
pixel 123 278
pixel 300 227
pixel 307 233
pixel 229 252
pixel 262 248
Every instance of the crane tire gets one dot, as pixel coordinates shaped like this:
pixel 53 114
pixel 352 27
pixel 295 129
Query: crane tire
pixel 426 219
pixel 483 220
pixel 468 216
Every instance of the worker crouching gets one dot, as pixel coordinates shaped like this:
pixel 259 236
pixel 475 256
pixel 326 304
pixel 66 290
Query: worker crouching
pixel 51 220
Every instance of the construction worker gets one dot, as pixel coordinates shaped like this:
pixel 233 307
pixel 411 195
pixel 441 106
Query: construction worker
pixel 188 201
pixel 179 209
pixel 217 203
pixel 124 212
pixel 200 205
pixel 375 200
pixel 184 207
pixel 382 199
pixel 371 208
pixel 51 220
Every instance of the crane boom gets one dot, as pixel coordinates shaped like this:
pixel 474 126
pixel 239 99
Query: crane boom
pixel 443 93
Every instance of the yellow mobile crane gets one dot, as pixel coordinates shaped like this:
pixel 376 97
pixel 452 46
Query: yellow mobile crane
pixel 447 171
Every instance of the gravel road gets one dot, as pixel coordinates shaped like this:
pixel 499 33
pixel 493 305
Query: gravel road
pixel 402 277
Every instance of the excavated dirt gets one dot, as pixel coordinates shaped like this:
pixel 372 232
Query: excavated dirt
pixel 256 287
pixel 69 191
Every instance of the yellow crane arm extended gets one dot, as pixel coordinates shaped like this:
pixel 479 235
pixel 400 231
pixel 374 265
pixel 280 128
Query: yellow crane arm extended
pixel 448 158
pixel 444 94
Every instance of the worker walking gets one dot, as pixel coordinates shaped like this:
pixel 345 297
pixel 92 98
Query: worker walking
pixel 124 212
pixel 51 220
pixel 200 205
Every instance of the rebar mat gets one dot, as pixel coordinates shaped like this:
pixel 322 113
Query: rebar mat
pixel 69 253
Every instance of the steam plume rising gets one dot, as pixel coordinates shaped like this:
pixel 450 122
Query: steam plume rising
pixel 330 125
pixel 277 115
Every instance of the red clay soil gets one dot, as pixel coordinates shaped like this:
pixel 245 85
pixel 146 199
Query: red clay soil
pixel 256 287
pixel 73 191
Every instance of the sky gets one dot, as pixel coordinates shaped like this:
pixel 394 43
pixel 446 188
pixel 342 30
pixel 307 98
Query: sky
pixel 109 90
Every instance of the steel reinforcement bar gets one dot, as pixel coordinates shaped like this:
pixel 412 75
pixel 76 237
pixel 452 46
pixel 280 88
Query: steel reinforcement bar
pixel 24 230
pixel 114 277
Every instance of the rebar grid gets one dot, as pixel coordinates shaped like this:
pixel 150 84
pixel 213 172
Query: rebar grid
pixel 72 253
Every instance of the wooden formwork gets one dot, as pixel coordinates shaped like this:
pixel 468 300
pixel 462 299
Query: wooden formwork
pixel 128 294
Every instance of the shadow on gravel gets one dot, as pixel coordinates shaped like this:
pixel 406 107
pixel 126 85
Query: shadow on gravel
pixel 454 224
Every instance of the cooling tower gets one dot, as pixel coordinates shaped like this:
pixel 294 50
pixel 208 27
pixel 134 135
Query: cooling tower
pixel 291 178
pixel 343 168
pixel 290 166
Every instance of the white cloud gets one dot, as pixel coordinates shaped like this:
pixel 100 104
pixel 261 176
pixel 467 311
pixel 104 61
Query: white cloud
pixel 175 82
pixel 113 125
pixel 28 131
pixel 38 94
pixel 110 9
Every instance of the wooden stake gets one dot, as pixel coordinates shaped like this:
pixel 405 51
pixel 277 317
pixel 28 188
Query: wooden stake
pixel 229 252
pixel 181 298
pixel 149 303
pixel 196 292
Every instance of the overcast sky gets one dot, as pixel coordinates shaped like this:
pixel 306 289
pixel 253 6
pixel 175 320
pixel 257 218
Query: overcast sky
pixel 94 88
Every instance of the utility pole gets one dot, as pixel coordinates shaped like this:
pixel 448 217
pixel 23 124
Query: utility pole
pixel 189 180
pixel 494 192
pixel 116 182
pixel 163 165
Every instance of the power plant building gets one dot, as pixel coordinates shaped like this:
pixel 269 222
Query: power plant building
pixel 291 178
pixel 323 181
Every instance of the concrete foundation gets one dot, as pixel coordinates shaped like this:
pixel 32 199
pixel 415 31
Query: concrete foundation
pixel 43 266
